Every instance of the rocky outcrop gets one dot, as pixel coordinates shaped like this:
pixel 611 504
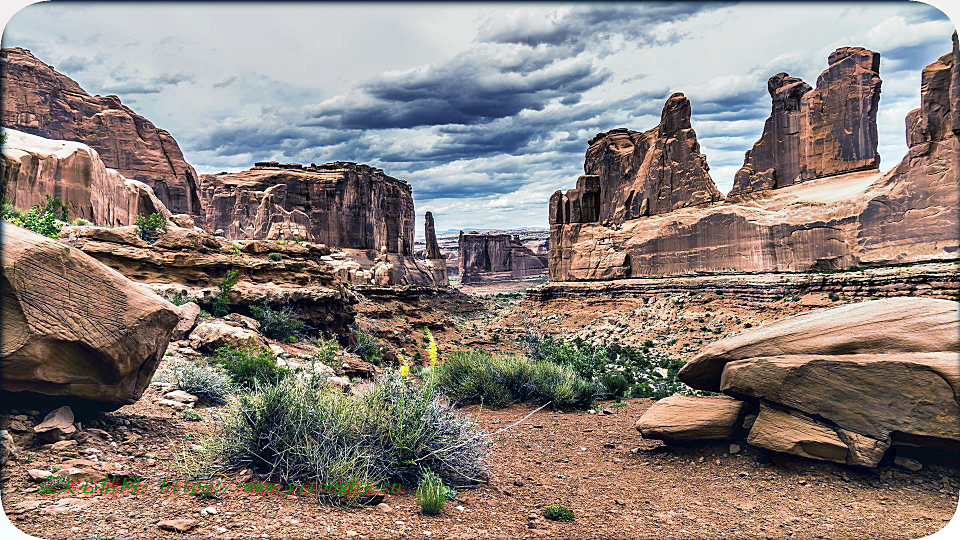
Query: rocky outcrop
pixel 692 418
pixel 367 267
pixel 75 329
pixel 496 257
pixel 862 218
pixel 339 204
pixel 843 384
pixel 191 263
pixel 40 101
pixel 35 167
pixel 432 250
pixel 629 174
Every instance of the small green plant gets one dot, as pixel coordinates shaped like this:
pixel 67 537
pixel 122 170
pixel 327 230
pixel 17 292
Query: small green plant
pixel 221 302
pixel 748 325
pixel 833 297
pixel 191 415
pixel 28 457
pixel 55 468
pixel 367 346
pixel 558 513
pixel 277 324
pixel 614 384
pixel 250 366
pixel 431 494
pixel 236 249
pixel 179 299
pixel 80 222
pixel 274 256
pixel 210 385
pixel 152 226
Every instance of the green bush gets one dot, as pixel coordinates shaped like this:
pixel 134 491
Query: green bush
pixel 47 220
pixel 277 324
pixel 220 305
pixel 395 432
pixel 499 380
pixel 210 385
pixel 152 226
pixel 274 256
pixel 614 384
pixel 558 513
pixel 367 346
pixel 179 299
pixel 431 494
pixel 191 415
pixel 251 366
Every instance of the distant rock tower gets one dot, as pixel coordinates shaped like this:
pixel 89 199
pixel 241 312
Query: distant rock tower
pixel 430 230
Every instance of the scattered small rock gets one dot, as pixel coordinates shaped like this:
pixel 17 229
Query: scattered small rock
pixel 384 507
pixel 907 463
pixel 735 448
pixel 64 449
pixel 56 425
pixel 178 525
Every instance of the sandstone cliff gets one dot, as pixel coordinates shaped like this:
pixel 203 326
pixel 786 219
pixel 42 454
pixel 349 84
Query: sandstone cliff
pixel 819 132
pixel 34 167
pixel 340 204
pixel 631 174
pixel 40 101
pixel 831 222
pixel 432 250
pixel 496 257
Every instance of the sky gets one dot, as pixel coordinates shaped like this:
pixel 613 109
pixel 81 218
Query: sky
pixel 486 109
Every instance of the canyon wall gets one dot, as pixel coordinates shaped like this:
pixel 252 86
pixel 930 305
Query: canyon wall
pixel 341 204
pixel 34 167
pixel 40 101
pixel 496 257
pixel 847 214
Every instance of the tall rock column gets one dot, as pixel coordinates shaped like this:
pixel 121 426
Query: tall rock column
pixel 838 119
pixel 430 230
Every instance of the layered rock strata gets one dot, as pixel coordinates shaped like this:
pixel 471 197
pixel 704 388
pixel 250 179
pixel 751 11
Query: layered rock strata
pixel 496 257
pixel 629 174
pixel 75 329
pixel 40 101
pixel 191 263
pixel 342 204
pixel 841 384
pixel 432 250
pixel 812 133
pixel 861 218
pixel 34 167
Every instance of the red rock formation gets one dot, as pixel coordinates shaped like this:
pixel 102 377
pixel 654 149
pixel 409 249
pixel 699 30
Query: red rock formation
pixel 631 174
pixel 838 120
pixel 40 101
pixel 34 167
pixel 833 222
pixel 774 161
pixel 340 204
pixel 432 250
pixel 496 257
pixel 814 133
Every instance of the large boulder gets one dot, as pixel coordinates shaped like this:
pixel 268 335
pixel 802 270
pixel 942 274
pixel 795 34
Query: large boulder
pixel 75 328
pixel 891 325
pixel 691 418
pixel 211 335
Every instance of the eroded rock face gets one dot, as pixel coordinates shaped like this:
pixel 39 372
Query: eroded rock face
pixel 73 327
pixel 495 257
pixel 838 119
pixel 774 161
pixel 339 204
pixel 629 174
pixel 191 263
pixel 909 214
pixel 845 383
pixel 430 232
pixel 691 418
pixel 34 167
pixel 40 101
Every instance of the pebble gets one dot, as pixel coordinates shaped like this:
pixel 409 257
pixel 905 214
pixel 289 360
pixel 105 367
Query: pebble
pixel 907 463
pixel 209 511
pixel 735 448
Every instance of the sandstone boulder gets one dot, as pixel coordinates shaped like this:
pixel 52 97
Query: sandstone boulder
pixel 188 318
pixel 209 336
pixel 75 328
pixel 40 101
pixel 793 433
pixel 888 326
pixel 56 425
pixel 691 418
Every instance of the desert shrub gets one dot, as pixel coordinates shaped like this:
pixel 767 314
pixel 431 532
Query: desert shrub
pixel 179 299
pixel 614 384
pixel 278 324
pixel 397 431
pixel 467 376
pixel 274 256
pixel 47 220
pixel 367 346
pixel 80 222
pixel 220 305
pixel 250 366
pixel 431 494
pixel 210 385
pixel 558 513
pixel 191 415
pixel 152 226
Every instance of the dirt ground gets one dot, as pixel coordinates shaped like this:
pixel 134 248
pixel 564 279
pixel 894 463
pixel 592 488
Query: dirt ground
pixel 618 486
